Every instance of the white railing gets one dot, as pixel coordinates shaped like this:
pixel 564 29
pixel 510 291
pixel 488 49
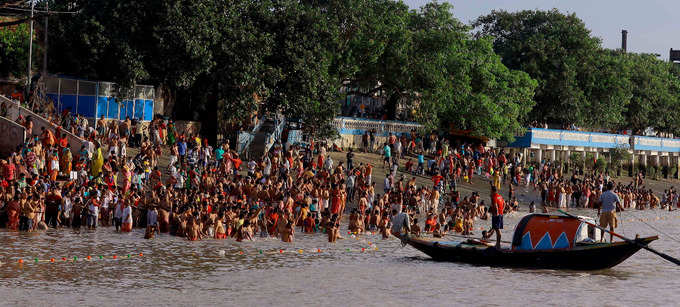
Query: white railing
pixel 346 124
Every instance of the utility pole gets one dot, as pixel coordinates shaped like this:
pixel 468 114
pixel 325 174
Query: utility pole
pixel 47 8
pixel 30 51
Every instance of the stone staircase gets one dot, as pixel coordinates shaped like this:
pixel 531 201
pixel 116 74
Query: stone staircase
pixel 14 110
pixel 13 135
pixel 265 138
pixel 259 143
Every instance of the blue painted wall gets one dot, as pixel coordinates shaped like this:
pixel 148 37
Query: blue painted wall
pixel 537 136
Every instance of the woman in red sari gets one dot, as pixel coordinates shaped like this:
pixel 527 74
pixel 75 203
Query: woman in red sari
pixel 12 212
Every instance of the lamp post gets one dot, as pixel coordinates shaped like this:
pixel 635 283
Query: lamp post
pixel 47 8
pixel 30 51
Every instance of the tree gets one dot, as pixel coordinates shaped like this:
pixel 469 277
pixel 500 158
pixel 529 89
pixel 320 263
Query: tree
pixel 14 50
pixel 484 96
pixel 305 85
pixel 600 165
pixel 426 62
pixel 606 84
pixel 223 61
pixel 166 43
pixel 381 51
pixel 655 100
pixel 558 51
pixel 238 83
pixel 617 156
pixel 576 160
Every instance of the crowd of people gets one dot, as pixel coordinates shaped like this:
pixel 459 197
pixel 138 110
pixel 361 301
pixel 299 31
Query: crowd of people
pixel 584 191
pixel 209 192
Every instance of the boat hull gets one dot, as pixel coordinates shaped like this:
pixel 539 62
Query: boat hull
pixel 582 258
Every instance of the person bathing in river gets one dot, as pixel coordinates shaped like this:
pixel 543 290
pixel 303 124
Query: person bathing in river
pixel 288 232
pixel 384 227
pixel 354 222
pixel 193 229
pixel 332 229
pixel 151 223
pixel 220 232
pixel 245 232
pixel 309 224
pixel 126 226
pixel 415 229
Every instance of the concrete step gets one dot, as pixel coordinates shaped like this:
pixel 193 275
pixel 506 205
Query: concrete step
pixel 14 110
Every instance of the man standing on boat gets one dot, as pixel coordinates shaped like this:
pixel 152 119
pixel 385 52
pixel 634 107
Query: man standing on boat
pixel 607 211
pixel 496 208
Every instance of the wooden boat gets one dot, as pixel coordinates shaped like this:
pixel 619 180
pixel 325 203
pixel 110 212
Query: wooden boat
pixel 539 241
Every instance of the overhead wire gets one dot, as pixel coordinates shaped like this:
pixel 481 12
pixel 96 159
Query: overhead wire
pixel 38 11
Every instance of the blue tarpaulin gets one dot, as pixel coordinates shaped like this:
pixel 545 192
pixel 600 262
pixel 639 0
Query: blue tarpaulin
pixel 113 108
pixel 148 109
pixel 86 106
pixel 93 99
pixel 139 108
pixel 102 106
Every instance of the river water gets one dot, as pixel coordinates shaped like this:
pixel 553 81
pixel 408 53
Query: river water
pixel 310 271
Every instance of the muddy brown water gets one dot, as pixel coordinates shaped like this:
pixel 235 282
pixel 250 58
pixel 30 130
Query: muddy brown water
pixel 173 271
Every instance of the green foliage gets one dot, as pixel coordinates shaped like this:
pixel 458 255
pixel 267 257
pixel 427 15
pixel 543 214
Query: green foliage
pixel 618 155
pixel 651 172
pixel 655 99
pixel 295 56
pixel 576 159
pixel 493 102
pixel 212 55
pixel 606 89
pixel 639 167
pixel 128 42
pixel 590 160
pixel 305 86
pixel 556 50
pixel 427 62
pixel 221 61
pixel 602 89
pixel 600 164
pixel 14 50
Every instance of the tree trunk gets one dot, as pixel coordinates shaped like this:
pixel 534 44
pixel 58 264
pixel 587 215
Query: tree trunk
pixel 391 106
pixel 165 99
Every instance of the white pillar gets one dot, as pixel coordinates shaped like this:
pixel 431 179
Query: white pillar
pixel 632 161
pixel 539 156
pixel 553 154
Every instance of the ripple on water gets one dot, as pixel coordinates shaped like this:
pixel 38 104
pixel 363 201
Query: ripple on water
pixel 176 271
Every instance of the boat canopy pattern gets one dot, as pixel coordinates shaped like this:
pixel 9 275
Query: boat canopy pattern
pixel 541 232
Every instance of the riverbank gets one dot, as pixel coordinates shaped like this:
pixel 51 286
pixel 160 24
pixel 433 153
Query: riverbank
pixel 481 185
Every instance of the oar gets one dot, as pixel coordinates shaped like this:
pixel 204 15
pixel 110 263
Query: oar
pixel 660 254
pixel 481 239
